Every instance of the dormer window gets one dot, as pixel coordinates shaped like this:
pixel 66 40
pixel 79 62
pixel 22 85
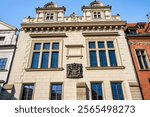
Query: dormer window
pixel 49 16
pixel 96 15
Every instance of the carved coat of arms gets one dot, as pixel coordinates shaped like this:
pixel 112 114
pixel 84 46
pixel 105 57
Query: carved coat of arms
pixel 74 70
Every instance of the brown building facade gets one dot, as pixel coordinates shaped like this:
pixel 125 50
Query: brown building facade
pixel 138 36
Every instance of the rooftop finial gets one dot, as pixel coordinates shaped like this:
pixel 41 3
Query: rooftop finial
pixel 148 17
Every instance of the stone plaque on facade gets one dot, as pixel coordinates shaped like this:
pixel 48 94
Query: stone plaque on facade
pixel 74 70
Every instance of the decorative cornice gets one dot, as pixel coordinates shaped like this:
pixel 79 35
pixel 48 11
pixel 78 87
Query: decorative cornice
pixel 101 34
pixel 48 35
pixel 95 7
pixel 73 26
pixel 51 8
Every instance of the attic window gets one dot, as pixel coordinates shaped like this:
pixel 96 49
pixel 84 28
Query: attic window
pixel 2 38
pixel 141 26
pixel 96 15
pixel 49 16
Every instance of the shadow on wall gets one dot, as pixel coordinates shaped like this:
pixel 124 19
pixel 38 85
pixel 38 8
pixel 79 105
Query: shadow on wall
pixel 8 94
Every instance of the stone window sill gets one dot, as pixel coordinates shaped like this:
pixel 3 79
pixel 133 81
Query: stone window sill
pixel 39 69
pixel 144 69
pixel 105 68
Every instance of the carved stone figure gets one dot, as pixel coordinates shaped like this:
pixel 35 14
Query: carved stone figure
pixel 74 70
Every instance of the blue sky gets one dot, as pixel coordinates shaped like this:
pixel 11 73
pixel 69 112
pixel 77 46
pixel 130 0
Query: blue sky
pixel 13 11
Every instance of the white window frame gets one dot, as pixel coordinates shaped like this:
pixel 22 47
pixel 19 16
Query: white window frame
pixel 50 52
pixel 103 39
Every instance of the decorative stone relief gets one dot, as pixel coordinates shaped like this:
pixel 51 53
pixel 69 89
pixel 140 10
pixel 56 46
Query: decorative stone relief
pixel 74 70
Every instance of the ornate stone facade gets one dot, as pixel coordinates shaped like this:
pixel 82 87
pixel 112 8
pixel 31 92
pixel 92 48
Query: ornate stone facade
pixel 53 50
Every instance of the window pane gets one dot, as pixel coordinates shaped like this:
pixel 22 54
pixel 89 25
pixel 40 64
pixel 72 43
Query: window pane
pixel 55 46
pixel 97 91
pixel 91 44
pixel 101 45
pixel 35 60
pixel 45 57
pixel 103 60
pixel 110 44
pixel 46 46
pixel 54 60
pixel 56 91
pixel 37 46
pixel 112 58
pixel 117 91
pixel 93 59
pixel 27 92
pixel 3 63
pixel 139 59
pixel 145 62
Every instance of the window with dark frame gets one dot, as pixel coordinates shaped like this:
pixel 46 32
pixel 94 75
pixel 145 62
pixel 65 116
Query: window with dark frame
pixel 96 15
pixel 27 91
pixel 117 92
pixel 56 92
pixel 96 89
pixel 102 54
pixel 49 55
pixel 142 59
pixel 3 62
pixel 49 16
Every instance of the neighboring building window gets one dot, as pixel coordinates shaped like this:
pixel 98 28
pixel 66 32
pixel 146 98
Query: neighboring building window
pixel 56 91
pixel 27 91
pixel 49 16
pixel 3 62
pixel 142 59
pixel 132 31
pixel 2 38
pixel 117 92
pixel 97 93
pixel 96 15
pixel 102 53
pixel 44 56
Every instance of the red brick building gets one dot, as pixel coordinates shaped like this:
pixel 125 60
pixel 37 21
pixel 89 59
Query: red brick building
pixel 138 35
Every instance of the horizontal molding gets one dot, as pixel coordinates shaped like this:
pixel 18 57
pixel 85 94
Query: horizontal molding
pixel 48 35
pixel 105 68
pixel 39 69
pixel 73 46
pixel 101 34
pixel 7 46
pixel 72 24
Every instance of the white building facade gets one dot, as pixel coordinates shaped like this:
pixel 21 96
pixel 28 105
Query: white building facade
pixel 7 48
pixel 73 58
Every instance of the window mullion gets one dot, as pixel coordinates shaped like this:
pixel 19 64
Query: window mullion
pixel 50 55
pixel 40 58
pixel 97 54
pixel 107 54
pixel 141 57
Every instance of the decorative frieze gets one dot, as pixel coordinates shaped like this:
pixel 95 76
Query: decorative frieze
pixel 140 43
pixel 72 28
